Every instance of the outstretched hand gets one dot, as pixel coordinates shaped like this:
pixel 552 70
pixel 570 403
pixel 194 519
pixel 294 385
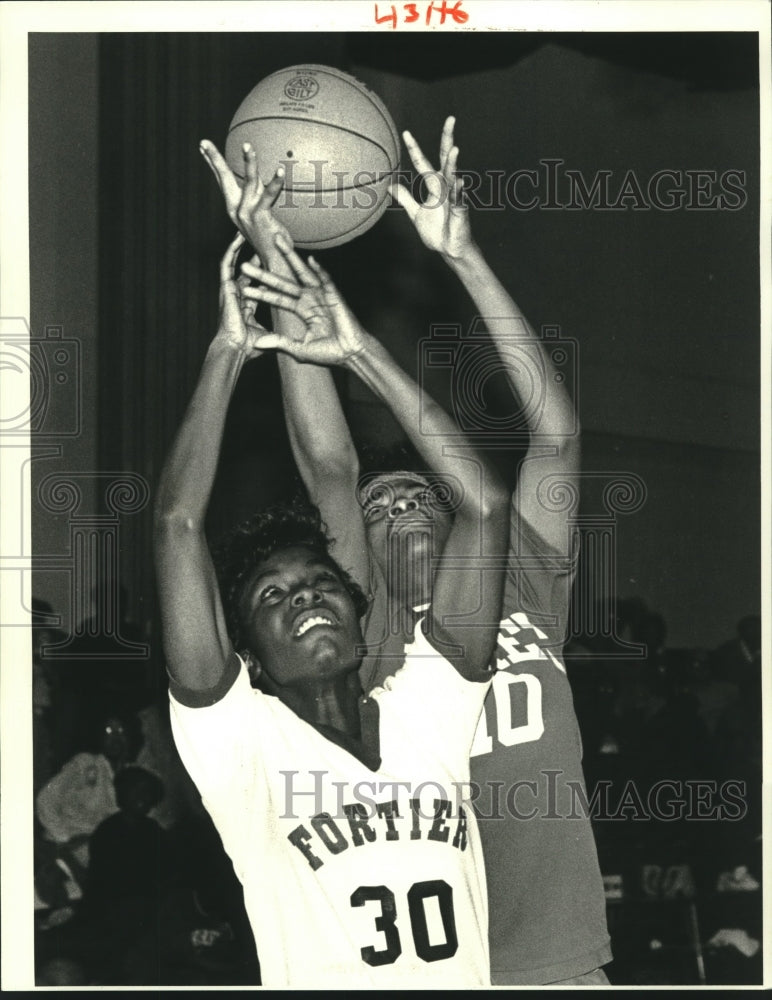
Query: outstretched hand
pixel 331 334
pixel 249 207
pixel 237 325
pixel 442 219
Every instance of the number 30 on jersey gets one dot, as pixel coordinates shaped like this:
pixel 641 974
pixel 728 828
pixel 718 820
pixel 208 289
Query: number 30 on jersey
pixel 386 921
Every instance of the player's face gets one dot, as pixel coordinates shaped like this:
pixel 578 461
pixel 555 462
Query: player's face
pixel 401 507
pixel 300 619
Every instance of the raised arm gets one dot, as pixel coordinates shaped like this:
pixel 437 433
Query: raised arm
pixel 481 522
pixel 442 222
pixel 321 443
pixel 466 601
pixel 326 459
pixel 195 639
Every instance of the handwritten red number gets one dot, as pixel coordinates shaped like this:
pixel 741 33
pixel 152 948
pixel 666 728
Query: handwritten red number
pixel 458 15
pixel 386 17
pixel 411 13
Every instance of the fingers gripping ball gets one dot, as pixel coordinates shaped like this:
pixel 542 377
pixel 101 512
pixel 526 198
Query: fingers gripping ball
pixel 337 142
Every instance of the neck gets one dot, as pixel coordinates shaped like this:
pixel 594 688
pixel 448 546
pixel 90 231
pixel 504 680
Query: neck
pixel 407 569
pixel 329 703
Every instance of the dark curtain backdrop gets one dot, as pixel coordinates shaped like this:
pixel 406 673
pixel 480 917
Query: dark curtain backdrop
pixel 637 289
pixel 162 230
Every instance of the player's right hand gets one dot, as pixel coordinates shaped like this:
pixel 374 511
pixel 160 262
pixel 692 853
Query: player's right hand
pixel 331 334
pixel 250 206
pixel 442 218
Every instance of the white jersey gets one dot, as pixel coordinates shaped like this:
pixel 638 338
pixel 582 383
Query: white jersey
pixel 352 877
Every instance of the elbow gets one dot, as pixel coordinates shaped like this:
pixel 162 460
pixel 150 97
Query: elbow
pixel 560 425
pixel 569 433
pixel 495 504
pixel 496 494
pixel 563 435
pixel 170 521
pixel 570 447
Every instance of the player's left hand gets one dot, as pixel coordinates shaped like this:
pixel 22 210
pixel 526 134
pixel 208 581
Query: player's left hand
pixel 250 207
pixel 442 219
pixel 237 326
pixel 331 333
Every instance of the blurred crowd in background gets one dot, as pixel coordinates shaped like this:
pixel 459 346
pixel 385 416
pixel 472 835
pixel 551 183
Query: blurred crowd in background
pixel 133 887
pixel 673 740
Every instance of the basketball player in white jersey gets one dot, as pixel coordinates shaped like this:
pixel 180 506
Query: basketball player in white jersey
pixel 344 816
pixel 547 916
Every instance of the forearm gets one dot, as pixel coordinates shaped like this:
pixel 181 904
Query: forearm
pixel 316 424
pixel 79 871
pixel 512 335
pixel 189 472
pixel 426 424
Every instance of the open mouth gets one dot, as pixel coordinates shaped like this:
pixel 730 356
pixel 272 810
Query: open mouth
pixel 312 622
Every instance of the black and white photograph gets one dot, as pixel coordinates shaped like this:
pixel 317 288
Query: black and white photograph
pixel 351 348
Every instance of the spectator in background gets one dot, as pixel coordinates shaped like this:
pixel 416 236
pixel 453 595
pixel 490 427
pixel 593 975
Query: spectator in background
pixel 595 688
pixel 642 688
pixel 119 739
pixel 81 794
pixel 61 971
pixel 732 912
pixel 739 659
pixel 159 755
pixel 739 752
pixel 201 936
pixel 130 854
pixel 674 742
pixel 43 692
pixel 70 806
pixel 738 739
pixel 105 669
pixel 130 868
pixel 714 692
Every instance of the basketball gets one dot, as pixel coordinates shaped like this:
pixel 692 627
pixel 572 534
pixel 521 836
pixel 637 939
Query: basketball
pixel 338 145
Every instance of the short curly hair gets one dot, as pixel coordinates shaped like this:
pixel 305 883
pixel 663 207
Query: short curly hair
pixel 280 526
pixel 131 778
